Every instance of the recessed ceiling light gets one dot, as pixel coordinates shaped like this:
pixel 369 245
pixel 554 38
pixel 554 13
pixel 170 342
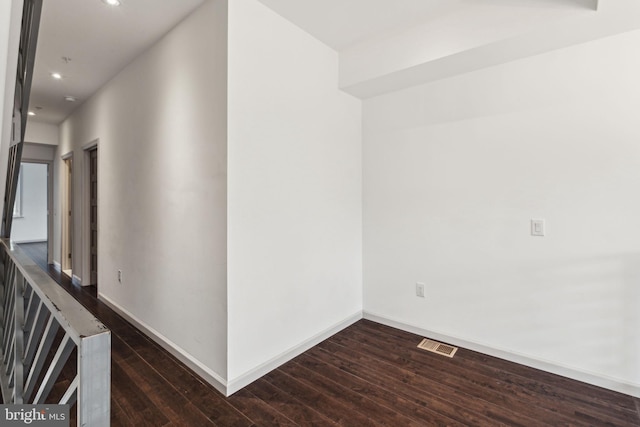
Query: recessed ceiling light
pixel 70 98
pixel 112 2
pixel 31 113
pixel 56 76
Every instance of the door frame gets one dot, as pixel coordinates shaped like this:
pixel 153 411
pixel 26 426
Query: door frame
pixel 86 209
pixel 49 164
pixel 66 229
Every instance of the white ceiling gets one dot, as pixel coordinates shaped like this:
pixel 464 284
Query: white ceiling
pixel 102 40
pixel 342 23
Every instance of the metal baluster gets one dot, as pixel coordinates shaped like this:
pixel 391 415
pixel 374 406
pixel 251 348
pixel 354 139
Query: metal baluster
pixel 64 350
pixel 71 394
pixel 18 372
pixel 35 335
pixel 43 349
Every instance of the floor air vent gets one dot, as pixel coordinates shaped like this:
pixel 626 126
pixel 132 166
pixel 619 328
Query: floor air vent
pixel 438 347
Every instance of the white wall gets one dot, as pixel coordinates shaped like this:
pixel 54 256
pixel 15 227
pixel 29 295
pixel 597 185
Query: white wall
pixel 161 130
pixel 452 29
pixel 453 172
pixel 5 25
pixel 10 22
pixel 470 35
pixel 42 133
pixel 40 152
pixel 294 246
pixel 31 226
pixel 294 204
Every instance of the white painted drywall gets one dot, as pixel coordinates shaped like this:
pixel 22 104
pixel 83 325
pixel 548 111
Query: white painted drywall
pixel 10 22
pixel 453 28
pixel 161 125
pixel 454 171
pixel 294 204
pixel 478 35
pixel 5 24
pixel 31 226
pixel 42 133
pixel 40 152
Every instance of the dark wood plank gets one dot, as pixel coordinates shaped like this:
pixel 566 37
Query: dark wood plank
pixel 135 404
pixel 439 399
pixel 549 406
pixel 381 412
pixel 37 252
pixel 502 405
pixel 258 410
pixel 332 408
pixel 561 401
pixel 427 408
pixel 218 410
pixel 117 416
pixel 298 411
pixel 162 395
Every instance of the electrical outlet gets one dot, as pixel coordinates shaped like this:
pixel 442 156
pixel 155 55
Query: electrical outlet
pixel 120 276
pixel 420 290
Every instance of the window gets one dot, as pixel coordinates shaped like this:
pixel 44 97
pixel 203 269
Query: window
pixel 17 206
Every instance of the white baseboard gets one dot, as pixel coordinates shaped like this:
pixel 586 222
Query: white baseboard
pixel 57 265
pixel 259 371
pixel 20 242
pixel 230 387
pixel 207 374
pixel 544 365
pixel 76 280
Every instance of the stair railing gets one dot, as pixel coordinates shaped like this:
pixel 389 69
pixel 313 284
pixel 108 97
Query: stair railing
pixel 42 328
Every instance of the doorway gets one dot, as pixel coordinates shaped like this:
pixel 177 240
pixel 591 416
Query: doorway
pixel 31 228
pixel 92 185
pixel 66 253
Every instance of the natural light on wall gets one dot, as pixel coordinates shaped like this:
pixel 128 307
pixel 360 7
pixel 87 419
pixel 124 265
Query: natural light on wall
pixel 17 205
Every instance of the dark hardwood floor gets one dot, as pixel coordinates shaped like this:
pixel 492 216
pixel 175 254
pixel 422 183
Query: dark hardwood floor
pixel 38 253
pixel 366 375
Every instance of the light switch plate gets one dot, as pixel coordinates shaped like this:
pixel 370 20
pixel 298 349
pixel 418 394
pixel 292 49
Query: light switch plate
pixel 420 290
pixel 537 227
